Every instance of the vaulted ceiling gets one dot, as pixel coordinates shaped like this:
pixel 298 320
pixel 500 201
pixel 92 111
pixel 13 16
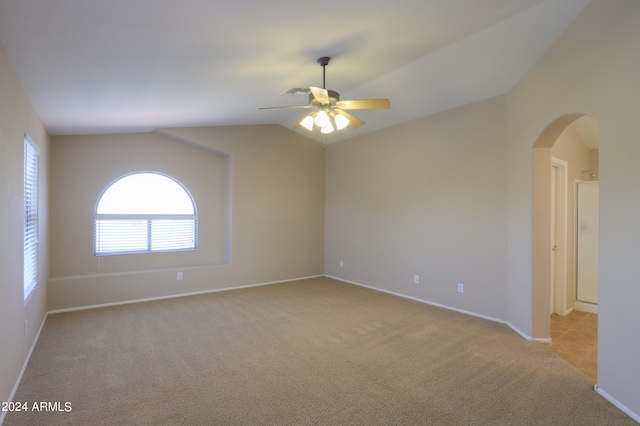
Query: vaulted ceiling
pixel 95 66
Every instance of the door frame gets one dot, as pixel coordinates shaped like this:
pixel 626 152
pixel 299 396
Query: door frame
pixel 559 237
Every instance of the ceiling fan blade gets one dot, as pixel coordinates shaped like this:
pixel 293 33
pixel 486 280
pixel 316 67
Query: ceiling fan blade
pixel 365 104
pixel 296 91
pixel 284 107
pixel 321 95
pixel 354 121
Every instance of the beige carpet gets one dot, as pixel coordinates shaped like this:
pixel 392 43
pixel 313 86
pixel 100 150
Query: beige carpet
pixel 313 352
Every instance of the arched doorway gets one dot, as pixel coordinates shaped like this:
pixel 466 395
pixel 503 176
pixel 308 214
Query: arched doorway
pixel 565 154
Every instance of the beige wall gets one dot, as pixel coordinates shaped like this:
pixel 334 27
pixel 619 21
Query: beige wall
pixel 17 118
pixel 425 198
pixel 78 179
pixel 258 190
pixel 592 69
pixel 594 163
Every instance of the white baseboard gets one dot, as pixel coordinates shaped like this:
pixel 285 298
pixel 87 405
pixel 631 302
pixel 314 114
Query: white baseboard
pixel 568 311
pixel 24 367
pixel 172 296
pixel 527 337
pixel 462 311
pixel 585 307
pixel 617 403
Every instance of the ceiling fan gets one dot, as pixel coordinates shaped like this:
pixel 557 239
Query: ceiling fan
pixel 329 111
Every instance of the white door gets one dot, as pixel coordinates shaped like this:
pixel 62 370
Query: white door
pixel 587 244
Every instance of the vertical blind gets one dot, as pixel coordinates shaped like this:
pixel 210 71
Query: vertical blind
pixel 30 217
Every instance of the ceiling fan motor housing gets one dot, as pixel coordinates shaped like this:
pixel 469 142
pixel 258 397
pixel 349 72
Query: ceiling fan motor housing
pixel 333 98
pixel 324 61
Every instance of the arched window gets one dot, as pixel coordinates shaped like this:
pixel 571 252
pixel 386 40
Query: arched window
pixel 145 212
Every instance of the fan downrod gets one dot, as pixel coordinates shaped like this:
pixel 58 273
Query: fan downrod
pixel 323 62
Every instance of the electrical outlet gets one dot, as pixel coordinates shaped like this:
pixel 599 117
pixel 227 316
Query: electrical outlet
pixel 460 288
pixel 179 276
pixel 416 279
pixel 341 264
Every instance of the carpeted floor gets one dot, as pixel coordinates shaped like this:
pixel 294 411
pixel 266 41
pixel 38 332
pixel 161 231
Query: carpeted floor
pixel 312 352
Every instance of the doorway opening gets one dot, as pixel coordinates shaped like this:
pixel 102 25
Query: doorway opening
pixel 564 151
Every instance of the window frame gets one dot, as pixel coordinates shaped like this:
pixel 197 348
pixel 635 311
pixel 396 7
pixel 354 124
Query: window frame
pixel 149 218
pixel 31 189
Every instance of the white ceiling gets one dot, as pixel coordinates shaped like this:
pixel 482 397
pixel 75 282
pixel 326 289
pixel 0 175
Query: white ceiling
pixel 96 66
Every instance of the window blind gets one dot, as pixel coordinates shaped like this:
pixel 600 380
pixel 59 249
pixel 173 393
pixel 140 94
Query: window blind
pixel 145 212
pixel 119 234
pixel 30 217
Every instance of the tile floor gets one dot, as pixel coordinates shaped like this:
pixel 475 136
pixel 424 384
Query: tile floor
pixel 575 338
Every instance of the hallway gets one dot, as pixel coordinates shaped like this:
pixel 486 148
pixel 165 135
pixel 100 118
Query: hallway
pixel 575 338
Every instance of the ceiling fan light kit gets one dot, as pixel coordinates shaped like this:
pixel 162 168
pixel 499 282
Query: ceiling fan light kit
pixel 329 114
pixel 308 122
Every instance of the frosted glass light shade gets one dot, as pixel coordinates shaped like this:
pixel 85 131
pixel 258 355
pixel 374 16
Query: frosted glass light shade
pixel 327 129
pixel 322 119
pixel 341 121
pixel 307 123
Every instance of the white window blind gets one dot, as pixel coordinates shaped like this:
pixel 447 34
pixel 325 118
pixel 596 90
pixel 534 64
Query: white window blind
pixel 129 234
pixel 145 212
pixel 30 217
